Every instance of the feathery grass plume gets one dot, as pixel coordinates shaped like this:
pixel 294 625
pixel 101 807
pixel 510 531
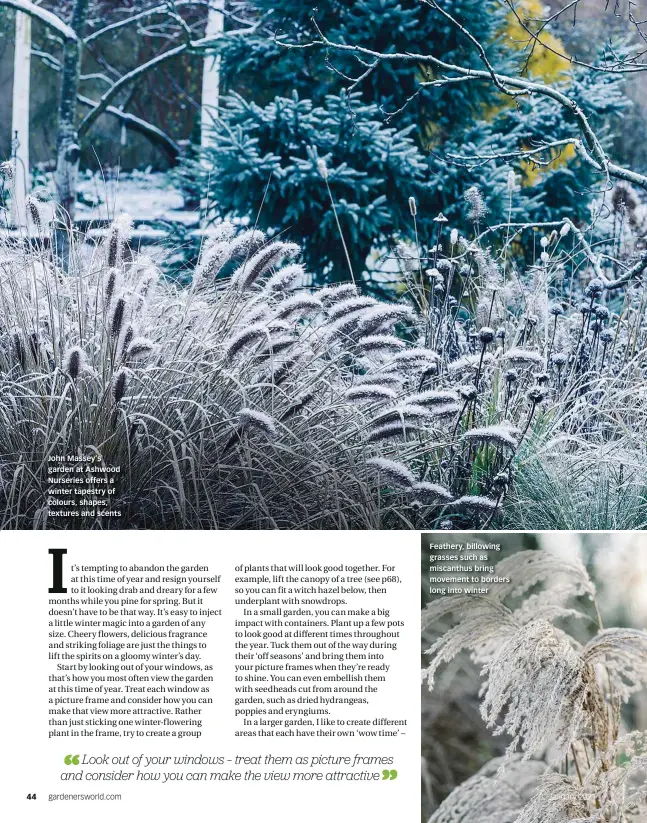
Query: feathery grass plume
pixel 352 304
pixel 414 358
pixel 433 398
pixel 330 295
pixel 119 385
pixel 487 798
pixel 371 391
pixel 223 231
pixel 403 414
pixel 383 378
pixel 74 362
pixel 523 358
pixel 407 256
pixel 536 688
pixel 245 337
pixel 276 344
pixel 126 338
pixel 260 263
pixel 432 493
pixel 395 472
pixel 149 278
pixel 623 653
pixel 299 305
pixel 246 243
pixel 383 318
pixel 526 569
pixel 444 412
pixel 483 625
pixel 477 208
pixel 211 263
pixel 474 503
pixel 139 348
pixel 470 363
pixel 109 285
pixel 380 342
pixel 501 436
pixel 19 348
pixel 558 799
pixel 284 278
pixel 252 419
pixel 117 319
pixel 119 234
pixel 34 210
pixel 395 430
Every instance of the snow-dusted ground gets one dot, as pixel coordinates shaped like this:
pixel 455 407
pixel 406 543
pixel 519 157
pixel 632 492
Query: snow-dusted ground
pixel 147 197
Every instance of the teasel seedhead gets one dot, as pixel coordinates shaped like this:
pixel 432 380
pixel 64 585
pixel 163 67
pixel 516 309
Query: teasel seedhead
pixel 486 335
pixel 468 392
pixel 595 288
pixel 556 309
pixel 536 395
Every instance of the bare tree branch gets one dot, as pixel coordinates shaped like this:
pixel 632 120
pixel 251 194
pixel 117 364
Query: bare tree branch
pixel 154 134
pixel 47 17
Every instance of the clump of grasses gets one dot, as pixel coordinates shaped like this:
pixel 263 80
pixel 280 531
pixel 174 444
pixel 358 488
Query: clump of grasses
pixel 484 372
pixel 572 754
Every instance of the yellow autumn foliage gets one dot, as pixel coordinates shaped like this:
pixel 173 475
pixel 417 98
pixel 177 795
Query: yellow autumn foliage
pixel 545 62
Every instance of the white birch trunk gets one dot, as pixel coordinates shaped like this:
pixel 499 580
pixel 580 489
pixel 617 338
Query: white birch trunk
pixel 211 74
pixel 210 91
pixel 20 117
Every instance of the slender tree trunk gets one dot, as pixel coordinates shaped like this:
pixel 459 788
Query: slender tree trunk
pixel 211 74
pixel 20 118
pixel 210 90
pixel 67 148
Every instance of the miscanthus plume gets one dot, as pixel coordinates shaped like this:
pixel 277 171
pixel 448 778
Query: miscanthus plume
pixel 557 700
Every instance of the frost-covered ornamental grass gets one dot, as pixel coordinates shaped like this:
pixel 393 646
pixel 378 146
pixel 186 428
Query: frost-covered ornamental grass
pixel 571 755
pixel 487 391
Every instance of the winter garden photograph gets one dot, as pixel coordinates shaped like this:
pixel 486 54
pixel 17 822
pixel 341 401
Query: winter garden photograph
pixel 352 264
pixel 534 695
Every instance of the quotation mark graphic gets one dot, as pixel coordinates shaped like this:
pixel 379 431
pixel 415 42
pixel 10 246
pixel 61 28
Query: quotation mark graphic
pixel 389 775
pixel 72 759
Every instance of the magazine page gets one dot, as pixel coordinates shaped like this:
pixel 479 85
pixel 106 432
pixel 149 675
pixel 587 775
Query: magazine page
pixel 302 304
